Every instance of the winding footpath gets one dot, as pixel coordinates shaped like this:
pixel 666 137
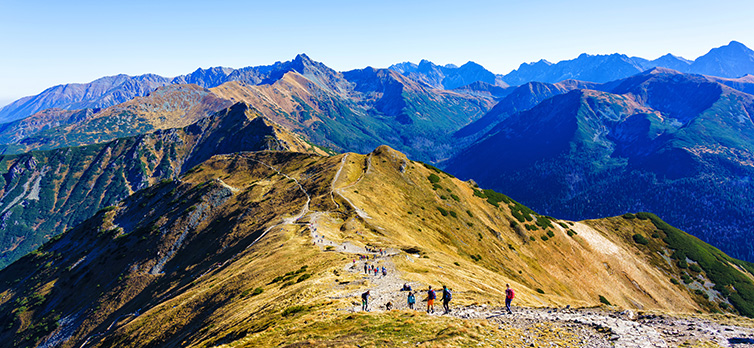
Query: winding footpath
pixel 593 327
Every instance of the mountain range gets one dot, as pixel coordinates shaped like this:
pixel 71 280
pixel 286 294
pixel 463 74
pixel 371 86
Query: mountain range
pixel 460 129
pixel 675 144
pixel 730 61
pixel 229 207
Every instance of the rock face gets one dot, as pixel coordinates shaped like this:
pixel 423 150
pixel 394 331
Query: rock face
pixel 44 193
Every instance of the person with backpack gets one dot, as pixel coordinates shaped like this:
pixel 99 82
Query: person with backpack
pixel 365 301
pixel 509 295
pixel 411 299
pixel 446 297
pixel 384 271
pixel 431 296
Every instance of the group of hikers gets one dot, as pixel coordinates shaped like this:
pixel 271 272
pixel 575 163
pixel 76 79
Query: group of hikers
pixel 369 269
pixel 379 251
pixel 447 296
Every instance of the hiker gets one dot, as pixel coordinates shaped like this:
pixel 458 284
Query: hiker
pixel 509 295
pixel 446 297
pixel 389 305
pixel 406 287
pixel 365 301
pixel 366 268
pixel 376 271
pixel 384 271
pixel 411 299
pixel 431 296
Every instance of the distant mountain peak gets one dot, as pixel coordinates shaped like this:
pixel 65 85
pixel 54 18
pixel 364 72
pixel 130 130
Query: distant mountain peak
pixel 660 70
pixel 302 57
pixel 735 43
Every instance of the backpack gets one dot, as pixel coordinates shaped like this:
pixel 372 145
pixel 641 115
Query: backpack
pixel 510 294
pixel 447 295
pixel 431 295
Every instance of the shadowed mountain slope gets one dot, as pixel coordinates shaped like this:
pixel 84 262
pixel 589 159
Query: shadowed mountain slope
pixel 44 193
pixel 674 144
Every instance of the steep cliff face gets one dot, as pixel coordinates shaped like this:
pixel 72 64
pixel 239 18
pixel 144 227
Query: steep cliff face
pixel 44 193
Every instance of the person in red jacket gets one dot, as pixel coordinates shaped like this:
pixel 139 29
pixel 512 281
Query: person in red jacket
pixel 509 295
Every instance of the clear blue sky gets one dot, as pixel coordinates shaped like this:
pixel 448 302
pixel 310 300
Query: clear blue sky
pixel 44 43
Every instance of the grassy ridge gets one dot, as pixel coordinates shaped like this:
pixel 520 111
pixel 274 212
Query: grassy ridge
pixel 720 268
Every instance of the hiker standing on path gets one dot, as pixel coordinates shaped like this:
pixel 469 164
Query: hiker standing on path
pixel 446 296
pixel 509 295
pixel 365 301
pixel 431 296
pixel 384 271
pixel 411 299
pixel 366 268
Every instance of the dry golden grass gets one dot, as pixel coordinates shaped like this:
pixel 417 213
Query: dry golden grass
pixel 207 297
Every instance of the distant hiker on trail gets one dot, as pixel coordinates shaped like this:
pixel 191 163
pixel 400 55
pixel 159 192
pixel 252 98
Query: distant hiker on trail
pixel 509 295
pixel 366 268
pixel 389 305
pixel 406 287
pixel 365 301
pixel 411 299
pixel 446 297
pixel 384 271
pixel 431 296
pixel 376 271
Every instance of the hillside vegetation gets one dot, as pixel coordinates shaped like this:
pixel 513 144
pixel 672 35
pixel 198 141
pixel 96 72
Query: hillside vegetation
pixel 44 193
pixel 225 255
